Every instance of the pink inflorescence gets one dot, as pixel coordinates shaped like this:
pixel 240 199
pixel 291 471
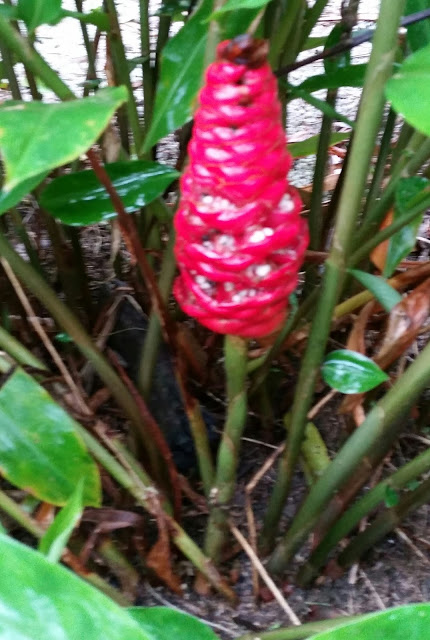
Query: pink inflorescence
pixel 240 239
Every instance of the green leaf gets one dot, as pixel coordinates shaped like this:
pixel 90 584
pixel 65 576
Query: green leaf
pixel 383 292
pixel 63 337
pixel 412 81
pixel 321 105
pixel 96 17
pixel 180 77
pixel 15 195
pixel 402 242
pixel 162 623
pixel 351 76
pixel 37 12
pixel 51 135
pixel 410 621
pixel 80 199
pixel 309 146
pixel 391 498
pixel 173 7
pixel 39 599
pixel 54 541
pixel 314 42
pixel 234 5
pixel 40 451
pixel 418 33
pixel 351 372
pixel 340 61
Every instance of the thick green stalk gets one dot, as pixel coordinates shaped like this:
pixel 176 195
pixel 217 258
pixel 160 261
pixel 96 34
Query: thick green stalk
pixel 228 455
pixel 121 70
pixel 283 30
pixel 370 113
pixel 340 529
pixel 71 325
pixel 20 516
pixel 7 62
pixel 21 231
pixel 384 523
pixel 89 48
pixel 312 17
pixel 162 37
pixel 381 425
pixel 302 632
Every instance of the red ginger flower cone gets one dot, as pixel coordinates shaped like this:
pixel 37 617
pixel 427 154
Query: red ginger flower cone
pixel 240 239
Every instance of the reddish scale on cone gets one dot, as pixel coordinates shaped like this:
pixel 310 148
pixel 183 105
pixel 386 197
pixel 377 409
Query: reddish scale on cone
pixel 240 239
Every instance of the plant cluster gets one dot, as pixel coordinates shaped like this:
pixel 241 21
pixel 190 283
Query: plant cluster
pixel 227 224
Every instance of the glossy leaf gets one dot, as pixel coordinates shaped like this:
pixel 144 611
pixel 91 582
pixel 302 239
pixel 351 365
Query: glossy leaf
pixel 15 195
pixel 180 77
pixel 410 621
pixel 402 242
pixel 51 135
pixel 309 146
pixel 352 76
pixel 234 5
pixel 383 292
pixel 418 33
pixel 37 12
pixel 57 535
pixel 162 623
pixel 79 198
pixel 40 450
pixel 351 372
pixel 39 599
pixel 412 81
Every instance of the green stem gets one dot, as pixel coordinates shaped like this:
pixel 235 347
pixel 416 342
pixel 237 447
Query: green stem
pixel 82 340
pixel 340 529
pixel 91 74
pixel 7 61
pixel 228 455
pixel 283 30
pixel 384 523
pixel 370 113
pixel 141 488
pixel 378 430
pixel 18 352
pixel 20 516
pixel 16 218
pixel 386 233
pixel 147 71
pixel 302 632
pixel 312 17
pixel 121 69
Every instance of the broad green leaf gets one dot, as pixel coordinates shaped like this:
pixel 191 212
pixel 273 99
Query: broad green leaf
pixel 56 537
pixel 51 135
pixel 180 77
pixel 410 621
pixel 80 199
pixel 309 146
pixel 402 242
pixel 383 292
pixel 352 76
pixel 13 197
pixel 162 623
pixel 234 5
pixel 41 600
pixel 409 90
pixel 418 33
pixel 37 12
pixel 340 61
pixel 321 105
pixel 351 372
pixel 40 450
